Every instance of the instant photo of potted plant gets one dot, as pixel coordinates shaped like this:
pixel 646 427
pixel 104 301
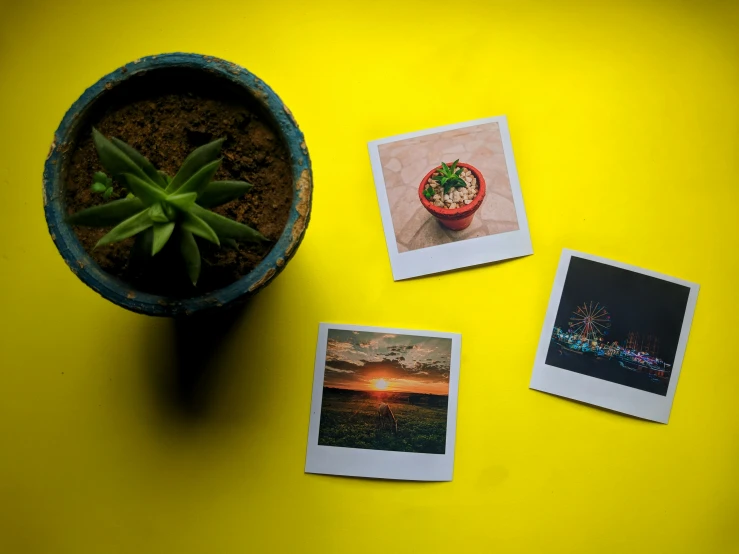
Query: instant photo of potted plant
pixel 453 193
pixel 177 183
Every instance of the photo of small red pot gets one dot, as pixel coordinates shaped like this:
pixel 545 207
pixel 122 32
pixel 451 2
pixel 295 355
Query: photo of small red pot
pixel 455 218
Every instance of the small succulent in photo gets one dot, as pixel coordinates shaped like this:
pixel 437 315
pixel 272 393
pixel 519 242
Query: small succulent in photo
pixel 450 177
pixel 447 177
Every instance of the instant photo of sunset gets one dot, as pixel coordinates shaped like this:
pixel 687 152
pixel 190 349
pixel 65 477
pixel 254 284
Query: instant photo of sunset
pixel 384 391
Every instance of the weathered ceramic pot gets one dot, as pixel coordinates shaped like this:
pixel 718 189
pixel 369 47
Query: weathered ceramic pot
pixel 457 218
pixel 120 292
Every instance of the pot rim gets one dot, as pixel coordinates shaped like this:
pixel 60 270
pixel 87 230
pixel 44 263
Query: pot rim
pixel 118 291
pixel 454 213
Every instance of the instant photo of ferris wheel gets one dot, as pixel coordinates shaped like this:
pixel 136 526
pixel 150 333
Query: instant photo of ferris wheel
pixel 614 335
pixel 618 325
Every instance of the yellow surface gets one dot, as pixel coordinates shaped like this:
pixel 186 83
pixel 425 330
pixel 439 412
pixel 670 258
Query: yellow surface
pixel 624 122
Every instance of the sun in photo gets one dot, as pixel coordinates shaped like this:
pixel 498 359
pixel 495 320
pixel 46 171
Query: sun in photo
pixel 379 384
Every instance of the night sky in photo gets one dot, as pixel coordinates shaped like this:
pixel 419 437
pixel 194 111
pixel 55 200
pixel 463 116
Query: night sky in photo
pixel 636 302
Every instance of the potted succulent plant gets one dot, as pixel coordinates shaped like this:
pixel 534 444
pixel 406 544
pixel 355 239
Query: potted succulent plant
pixel 176 184
pixel 159 206
pixel 452 193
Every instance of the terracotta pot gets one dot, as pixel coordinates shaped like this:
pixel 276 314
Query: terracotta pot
pixel 457 218
pixel 222 73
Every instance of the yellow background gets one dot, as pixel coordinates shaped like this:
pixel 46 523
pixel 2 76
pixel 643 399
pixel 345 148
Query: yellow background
pixel 624 119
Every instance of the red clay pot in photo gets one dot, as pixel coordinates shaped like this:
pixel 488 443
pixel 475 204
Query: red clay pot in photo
pixel 457 218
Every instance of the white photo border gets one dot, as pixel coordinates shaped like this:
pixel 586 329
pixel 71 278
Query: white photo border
pixel 613 396
pixel 382 464
pixel 464 253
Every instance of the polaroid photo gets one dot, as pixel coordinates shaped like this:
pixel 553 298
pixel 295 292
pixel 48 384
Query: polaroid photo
pixel 450 197
pixel 614 336
pixel 384 403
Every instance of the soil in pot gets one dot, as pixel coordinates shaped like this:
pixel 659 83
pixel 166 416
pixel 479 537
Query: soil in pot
pixel 457 197
pixel 165 116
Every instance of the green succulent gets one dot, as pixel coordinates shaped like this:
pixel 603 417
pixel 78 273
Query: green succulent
pixel 158 207
pixel 102 184
pixel 449 177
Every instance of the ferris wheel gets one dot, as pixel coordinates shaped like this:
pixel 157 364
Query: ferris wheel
pixel 590 322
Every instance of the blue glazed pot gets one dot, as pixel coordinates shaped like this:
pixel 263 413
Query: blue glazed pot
pixel 120 292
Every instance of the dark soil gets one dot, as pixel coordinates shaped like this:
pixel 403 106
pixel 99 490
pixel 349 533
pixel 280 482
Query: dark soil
pixel 165 119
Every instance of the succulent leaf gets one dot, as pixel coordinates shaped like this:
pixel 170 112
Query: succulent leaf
pixel 220 192
pixel 148 193
pixel 98 187
pixel 104 215
pixel 156 212
pixel 114 159
pixel 101 178
pixel 162 232
pixel 194 162
pixel 141 249
pixel 191 255
pixel 169 211
pixel 127 228
pixel 165 178
pixel 192 223
pixel 200 179
pixel 227 228
pixel 140 161
pixel 231 243
pixel 183 201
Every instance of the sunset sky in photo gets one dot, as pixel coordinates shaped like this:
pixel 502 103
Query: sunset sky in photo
pixel 364 361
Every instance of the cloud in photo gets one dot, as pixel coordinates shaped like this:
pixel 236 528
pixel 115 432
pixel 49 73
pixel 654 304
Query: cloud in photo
pixel 408 363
